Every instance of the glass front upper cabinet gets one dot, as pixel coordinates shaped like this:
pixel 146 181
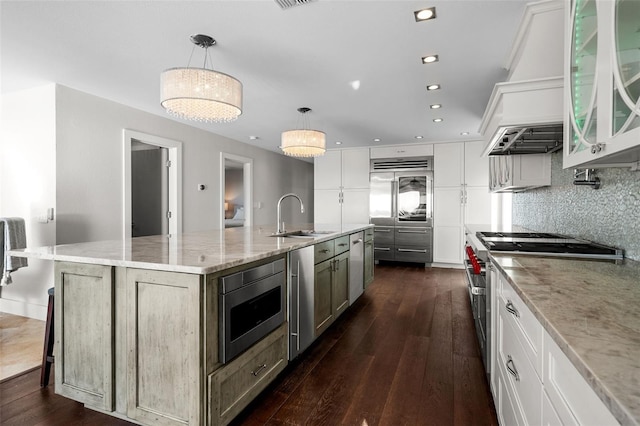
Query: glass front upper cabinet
pixel 626 67
pixel 583 115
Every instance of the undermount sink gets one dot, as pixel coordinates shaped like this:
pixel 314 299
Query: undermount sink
pixel 303 234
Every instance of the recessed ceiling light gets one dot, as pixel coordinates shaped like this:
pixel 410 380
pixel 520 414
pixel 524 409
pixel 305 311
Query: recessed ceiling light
pixel 253 138
pixel 425 14
pixel 429 59
pixel 464 133
pixel 433 87
pixel 435 106
pixel 338 143
pixel 376 140
pixel 437 120
pixel 418 137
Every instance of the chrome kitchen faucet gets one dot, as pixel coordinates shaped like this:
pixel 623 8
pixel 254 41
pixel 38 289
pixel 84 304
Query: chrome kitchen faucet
pixel 279 215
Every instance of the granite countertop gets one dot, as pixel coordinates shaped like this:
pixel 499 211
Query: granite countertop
pixel 195 252
pixel 591 310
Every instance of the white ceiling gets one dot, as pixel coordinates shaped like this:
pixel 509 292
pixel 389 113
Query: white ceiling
pixel 307 55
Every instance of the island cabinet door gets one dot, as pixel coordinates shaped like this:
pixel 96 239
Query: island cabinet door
pixel 163 348
pixel 340 282
pixel 323 309
pixel 84 331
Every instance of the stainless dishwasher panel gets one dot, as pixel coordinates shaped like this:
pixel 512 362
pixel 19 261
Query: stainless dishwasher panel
pixel 300 300
pixel 356 266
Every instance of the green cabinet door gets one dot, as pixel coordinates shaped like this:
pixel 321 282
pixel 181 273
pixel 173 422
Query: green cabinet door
pixel 340 283
pixel 368 263
pixel 323 307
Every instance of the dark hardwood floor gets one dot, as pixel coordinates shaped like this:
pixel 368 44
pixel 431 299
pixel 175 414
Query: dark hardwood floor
pixel 404 354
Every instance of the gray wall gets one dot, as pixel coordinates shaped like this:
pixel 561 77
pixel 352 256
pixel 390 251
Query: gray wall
pixel 63 149
pixel 609 215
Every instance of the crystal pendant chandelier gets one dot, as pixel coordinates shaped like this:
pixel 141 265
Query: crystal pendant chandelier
pixel 201 94
pixel 303 142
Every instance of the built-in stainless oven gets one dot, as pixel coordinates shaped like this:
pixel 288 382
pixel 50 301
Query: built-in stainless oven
pixel 476 277
pixel 252 303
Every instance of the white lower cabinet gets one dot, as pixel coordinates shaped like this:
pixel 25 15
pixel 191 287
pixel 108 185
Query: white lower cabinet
pixel 533 382
pixel 569 393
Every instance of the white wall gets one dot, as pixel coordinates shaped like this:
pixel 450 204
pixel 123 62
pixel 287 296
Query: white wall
pixel 27 189
pixel 83 166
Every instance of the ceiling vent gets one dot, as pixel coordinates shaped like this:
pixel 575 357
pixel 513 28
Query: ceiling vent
pixel 286 4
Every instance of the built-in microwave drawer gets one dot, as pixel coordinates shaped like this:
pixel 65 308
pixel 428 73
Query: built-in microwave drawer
pixel 341 244
pixel 383 234
pixel 413 254
pixel 419 237
pixel 383 251
pixel 325 250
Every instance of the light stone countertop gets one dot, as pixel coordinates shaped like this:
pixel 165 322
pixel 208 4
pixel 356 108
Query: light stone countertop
pixel 201 252
pixel 591 310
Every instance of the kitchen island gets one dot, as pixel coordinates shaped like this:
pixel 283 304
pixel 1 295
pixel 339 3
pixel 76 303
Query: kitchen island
pixel 137 322
pixel 565 336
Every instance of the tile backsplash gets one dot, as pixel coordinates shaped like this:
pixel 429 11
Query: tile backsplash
pixel 609 215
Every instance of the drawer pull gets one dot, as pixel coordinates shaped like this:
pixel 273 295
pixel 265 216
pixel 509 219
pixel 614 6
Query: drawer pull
pixel 342 245
pixel 259 370
pixel 412 250
pixel 382 248
pixel 400 231
pixel 512 369
pixel 324 251
pixel 512 309
pixel 382 230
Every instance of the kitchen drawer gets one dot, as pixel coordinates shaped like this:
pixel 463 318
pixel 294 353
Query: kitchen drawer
pixel 573 399
pixel 521 381
pixel 235 385
pixel 324 251
pixel 383 235
pixel 418 237
pixel 529 331
pixel 413 254
pixel 383 251
pixel 368 234
pixel 341 245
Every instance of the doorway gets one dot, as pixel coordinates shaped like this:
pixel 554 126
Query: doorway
pixel 235 191
pixel 152 176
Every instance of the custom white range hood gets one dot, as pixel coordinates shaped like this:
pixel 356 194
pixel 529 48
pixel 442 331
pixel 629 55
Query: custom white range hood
pixel 525 114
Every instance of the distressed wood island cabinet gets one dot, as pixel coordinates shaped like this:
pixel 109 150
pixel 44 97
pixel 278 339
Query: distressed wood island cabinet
pixel 137 324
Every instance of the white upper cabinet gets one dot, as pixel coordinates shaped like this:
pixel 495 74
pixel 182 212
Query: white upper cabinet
pixel 341 186
pixel 355 168
pixel 326 170
pixel 448 165
pixel 602 84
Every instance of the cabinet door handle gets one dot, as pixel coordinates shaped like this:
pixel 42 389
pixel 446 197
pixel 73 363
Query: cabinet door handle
pixel 358 241
pixel 511 368
pixel 258 370
pixel 512 309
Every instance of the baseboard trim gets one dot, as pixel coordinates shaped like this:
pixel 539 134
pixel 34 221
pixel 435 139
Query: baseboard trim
pixel 23 309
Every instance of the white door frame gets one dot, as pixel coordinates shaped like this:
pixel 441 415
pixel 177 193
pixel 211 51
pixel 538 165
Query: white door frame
pixel 175 179
pixel 247 182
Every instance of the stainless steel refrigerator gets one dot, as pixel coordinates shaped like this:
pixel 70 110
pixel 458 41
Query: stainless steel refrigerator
pixel 401 208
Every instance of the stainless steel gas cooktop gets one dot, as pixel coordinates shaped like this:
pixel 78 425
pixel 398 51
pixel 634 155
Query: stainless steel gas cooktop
pixel 544 244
